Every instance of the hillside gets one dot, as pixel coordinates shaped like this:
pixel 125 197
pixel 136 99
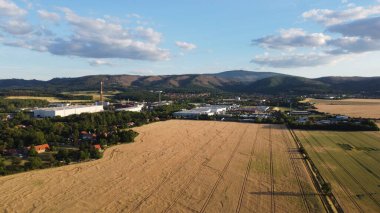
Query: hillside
pixel 287 84
pixel 229 81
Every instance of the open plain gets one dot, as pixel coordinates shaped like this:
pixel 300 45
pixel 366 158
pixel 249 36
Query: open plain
pixel 176 166
pixel 366 108
pixel 350 162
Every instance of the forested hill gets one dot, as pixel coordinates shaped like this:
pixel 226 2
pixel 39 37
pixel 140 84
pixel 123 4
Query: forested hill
pixel 229 81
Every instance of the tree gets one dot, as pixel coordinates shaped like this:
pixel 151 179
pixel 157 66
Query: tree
pixel 84 155
pixel 50 157
pixel 16 161
pixel 32 152
pixel 326 188
pixel 95 154
pixel 34 163
pixel 62 154
pixel 2 167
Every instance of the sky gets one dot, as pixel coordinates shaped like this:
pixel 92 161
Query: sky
pixel 44 39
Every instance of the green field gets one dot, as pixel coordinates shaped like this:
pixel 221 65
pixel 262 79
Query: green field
pixel 350 161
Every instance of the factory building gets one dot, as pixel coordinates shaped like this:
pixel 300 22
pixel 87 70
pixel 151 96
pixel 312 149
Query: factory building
pixel 196 112
pixel 136 108
pixel 66 111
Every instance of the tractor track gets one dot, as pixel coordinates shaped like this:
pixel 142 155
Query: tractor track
pixel 208 199
pixel 272 200
pixel 296 171
pixel 345 190
pixel 167 178
pixel 352 157
pixel 348 173
pixel 191 180
pixel 241 196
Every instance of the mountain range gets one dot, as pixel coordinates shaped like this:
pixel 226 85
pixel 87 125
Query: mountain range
pixel 230 81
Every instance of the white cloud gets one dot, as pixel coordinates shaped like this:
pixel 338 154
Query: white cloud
pixel 347 45
pixel 369 27
pixel 10 9
pixel 16 26
pixel 98 62
pixel 291 38
pixel 12 19
pixel 185 45
pixel 89 38
pixel 359 33
pixel 49 16
pixel 148 34
pixel 98 38
pixel 294 60
pixel 331 17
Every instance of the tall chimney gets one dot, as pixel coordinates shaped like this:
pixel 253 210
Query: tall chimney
pixel 101 92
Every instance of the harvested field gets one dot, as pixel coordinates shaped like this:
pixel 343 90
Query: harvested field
pixel 366 108
pixel 350 162
pixel 176 166
pixel 49 99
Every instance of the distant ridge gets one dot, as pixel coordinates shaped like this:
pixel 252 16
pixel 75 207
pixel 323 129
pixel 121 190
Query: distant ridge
pixel 228 81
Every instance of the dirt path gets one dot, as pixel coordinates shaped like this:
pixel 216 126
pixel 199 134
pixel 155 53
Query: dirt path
pixel 175 166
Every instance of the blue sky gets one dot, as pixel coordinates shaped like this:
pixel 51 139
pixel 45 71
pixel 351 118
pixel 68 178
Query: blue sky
pixel 44 39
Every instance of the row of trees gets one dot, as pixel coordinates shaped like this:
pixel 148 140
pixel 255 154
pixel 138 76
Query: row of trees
pixel 12 105
pixel 366 125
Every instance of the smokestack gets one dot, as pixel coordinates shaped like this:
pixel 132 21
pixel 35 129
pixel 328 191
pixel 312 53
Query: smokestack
pixel 101 92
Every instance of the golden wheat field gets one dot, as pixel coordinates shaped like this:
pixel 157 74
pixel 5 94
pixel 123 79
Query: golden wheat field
pixel 366 108
pixel 176 166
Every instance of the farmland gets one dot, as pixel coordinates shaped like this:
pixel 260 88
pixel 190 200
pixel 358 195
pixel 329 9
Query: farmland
pixel 176 166
pixel 49 99
pixel 350 162
pixel 366 108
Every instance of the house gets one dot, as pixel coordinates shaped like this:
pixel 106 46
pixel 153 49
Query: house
pixel 300 113
pixel 130 124
pixel 87 135
pixel 303 120
pixel 7 117
pixel 97 147
pixel 341 117
pixel 324 122
pixel 41 148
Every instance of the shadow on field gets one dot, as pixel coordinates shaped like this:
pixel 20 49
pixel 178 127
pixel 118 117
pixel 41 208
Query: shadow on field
pixel 294 150
pixel 294 194
pixel 273 126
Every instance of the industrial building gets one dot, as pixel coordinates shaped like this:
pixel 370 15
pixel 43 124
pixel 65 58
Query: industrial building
pixel 196 112
pixel 135 108
pixel 66 111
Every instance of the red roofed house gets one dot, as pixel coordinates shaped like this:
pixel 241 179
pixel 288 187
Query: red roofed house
pixel 98 147
pixel 41 148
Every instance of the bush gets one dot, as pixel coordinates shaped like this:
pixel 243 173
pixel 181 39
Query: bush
pixel 34 163
pixel 326 188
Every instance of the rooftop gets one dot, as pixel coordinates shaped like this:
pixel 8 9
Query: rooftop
pixel 67 107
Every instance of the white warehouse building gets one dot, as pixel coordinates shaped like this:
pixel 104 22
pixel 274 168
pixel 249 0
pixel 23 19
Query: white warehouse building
pixel 136 108
pixel 66 111
pixel 196 112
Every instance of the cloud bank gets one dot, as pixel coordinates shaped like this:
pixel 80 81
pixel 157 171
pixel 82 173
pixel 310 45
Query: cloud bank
pixel 352 31
pixel 88 37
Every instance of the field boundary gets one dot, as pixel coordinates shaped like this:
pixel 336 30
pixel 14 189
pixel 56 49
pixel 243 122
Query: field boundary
pixel 296 170
pixel 329 201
